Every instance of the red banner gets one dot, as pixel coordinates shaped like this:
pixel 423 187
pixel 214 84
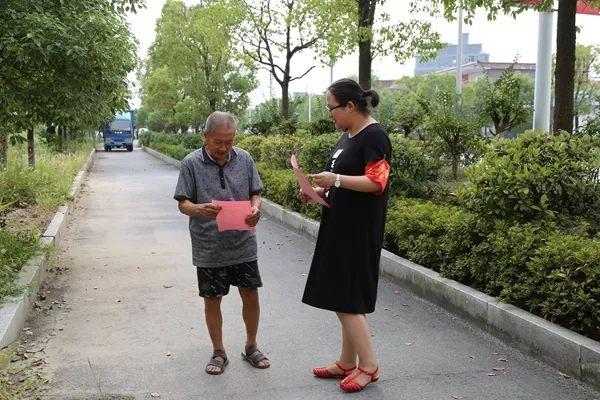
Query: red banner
pixel 583 7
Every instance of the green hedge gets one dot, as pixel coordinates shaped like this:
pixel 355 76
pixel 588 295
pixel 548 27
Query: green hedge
pixel 276 150
pixel 281 187
pixel 534 266
pixel 413 167
pixel 316 151
pixel 176 151
pixel 538 177
pixel 251 143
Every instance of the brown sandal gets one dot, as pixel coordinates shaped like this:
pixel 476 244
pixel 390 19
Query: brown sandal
pixel 215 362
pixel 255 359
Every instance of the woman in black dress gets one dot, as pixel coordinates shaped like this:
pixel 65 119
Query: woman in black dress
pixel 345 267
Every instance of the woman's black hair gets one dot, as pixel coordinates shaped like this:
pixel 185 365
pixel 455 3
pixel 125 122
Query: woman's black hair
pixel 346 90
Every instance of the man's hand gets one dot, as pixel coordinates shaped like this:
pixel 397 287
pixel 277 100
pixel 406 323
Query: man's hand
pixel 253 217
pixel 208 210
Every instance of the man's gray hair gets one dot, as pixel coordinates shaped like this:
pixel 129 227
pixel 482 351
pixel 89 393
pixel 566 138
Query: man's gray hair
pixel 220 119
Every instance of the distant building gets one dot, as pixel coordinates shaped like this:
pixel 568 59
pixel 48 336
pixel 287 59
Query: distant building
pixel 386 84
pixel 475 70
pixel 447 57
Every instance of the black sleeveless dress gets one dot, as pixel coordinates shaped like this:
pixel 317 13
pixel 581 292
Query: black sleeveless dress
pixel 344 272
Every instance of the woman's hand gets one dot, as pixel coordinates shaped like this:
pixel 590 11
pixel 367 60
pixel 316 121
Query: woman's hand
pixel 305 198
pixel 324 180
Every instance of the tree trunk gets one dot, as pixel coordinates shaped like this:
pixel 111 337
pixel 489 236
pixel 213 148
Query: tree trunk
pixel 3 150
pixel 60 138
pixel 366 15
pixel 285 98
pixel 564 76
pixel 31 148
pixel 455 168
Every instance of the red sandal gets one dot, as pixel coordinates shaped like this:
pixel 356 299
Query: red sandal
pixel 348 384
pixel 323 372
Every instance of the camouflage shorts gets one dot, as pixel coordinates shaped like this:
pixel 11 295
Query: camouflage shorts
pixel 215 282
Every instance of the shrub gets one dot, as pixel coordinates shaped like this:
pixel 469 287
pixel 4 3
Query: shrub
pixel 413 166
pixel 498 264
pixel 251 143
pixel 281 187
pixel 321 126
pixel 176 151
pixel 276 151
pixel 435 236
pixel 193 141
pixel 591 127
pixel 537 176
pixel 316 151
pixel 564 283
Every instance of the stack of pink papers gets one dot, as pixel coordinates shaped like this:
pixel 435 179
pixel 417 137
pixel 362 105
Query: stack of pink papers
pixel 232 215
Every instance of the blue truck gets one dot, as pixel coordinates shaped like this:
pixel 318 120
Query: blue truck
pixel 119 133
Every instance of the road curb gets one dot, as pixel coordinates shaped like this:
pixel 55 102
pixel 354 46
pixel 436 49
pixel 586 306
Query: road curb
pixel 169 160
pixel 561 348
pixel 14 311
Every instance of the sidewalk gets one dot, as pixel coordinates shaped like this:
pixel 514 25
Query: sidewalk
pixel 131 323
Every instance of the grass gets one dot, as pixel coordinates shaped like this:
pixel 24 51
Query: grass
pixel 47 186
pixel 19 380
pixel 49 183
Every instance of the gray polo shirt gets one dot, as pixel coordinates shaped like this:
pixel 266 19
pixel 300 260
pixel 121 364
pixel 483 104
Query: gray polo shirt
pixel 202 180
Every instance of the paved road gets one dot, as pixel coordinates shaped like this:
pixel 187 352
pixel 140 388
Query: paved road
pixel 119 328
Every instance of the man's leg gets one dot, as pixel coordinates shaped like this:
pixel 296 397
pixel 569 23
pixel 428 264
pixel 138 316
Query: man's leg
pixel 214 323
pixel 212 286
pixel 251 315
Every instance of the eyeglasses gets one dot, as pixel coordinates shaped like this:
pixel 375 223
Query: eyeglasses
pixel 333 108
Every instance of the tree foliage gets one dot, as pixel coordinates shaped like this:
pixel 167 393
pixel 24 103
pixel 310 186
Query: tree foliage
pixel 193 68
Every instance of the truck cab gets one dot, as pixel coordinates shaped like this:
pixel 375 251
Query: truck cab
pixel 118 134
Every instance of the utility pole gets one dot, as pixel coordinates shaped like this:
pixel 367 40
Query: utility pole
pixel 543 73
pixel 459 57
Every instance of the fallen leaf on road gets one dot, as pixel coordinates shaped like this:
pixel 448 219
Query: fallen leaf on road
pixel 167 286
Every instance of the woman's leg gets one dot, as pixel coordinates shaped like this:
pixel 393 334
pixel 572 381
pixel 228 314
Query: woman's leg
pixel 348 355
pixel 356 330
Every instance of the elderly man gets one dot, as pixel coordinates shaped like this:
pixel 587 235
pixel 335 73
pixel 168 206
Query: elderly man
pixel 220 171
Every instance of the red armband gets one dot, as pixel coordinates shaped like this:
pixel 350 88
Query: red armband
pixel 378 171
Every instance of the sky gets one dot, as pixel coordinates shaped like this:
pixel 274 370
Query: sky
pixel 503 39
